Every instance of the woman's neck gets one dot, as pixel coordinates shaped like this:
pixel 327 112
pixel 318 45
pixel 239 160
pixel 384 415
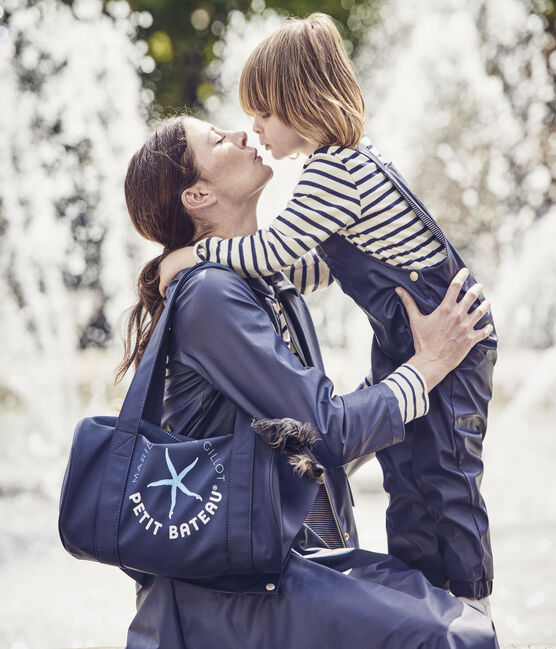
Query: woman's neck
pixel 233 220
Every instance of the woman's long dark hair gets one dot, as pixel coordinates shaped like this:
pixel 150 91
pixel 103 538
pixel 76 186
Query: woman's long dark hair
pixel 156 176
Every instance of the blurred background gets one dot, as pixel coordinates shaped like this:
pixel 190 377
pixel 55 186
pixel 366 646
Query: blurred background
pixel 461 97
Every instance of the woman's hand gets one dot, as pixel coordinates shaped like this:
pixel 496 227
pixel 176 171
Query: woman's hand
pixel 443 338
pixel 172 264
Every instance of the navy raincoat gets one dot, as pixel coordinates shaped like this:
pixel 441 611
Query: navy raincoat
pixel 226 353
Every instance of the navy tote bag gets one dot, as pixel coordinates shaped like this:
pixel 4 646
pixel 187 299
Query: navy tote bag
pixel 145 499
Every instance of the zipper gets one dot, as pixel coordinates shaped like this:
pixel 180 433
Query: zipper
pixel 333 512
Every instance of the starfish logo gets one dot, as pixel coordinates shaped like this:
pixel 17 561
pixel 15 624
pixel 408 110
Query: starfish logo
pixel 175 482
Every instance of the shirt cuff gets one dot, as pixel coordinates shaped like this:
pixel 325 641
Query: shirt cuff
pixel 199 251
pixel 410 389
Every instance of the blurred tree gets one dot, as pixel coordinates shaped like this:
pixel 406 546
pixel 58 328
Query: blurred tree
pixel 182 35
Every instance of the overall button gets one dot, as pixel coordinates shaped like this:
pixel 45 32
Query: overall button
pixel 346 535
pixel 413 275
pixel 270 586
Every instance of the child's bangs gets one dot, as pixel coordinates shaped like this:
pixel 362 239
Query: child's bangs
pixel 254 88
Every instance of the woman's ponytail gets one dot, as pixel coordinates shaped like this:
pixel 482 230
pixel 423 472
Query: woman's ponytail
pixel 142 317
pixel 156 177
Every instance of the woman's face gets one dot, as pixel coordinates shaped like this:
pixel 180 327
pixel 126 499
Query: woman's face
pixel 234 170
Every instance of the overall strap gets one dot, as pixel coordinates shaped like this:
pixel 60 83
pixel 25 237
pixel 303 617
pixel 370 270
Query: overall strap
pixel 390 171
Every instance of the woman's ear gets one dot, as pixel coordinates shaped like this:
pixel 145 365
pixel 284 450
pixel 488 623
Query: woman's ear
pixel 198 196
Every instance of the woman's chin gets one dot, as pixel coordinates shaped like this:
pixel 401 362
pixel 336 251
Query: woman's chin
pixel 269 172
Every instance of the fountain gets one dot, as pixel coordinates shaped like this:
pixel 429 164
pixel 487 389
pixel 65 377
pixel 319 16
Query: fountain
pixel 73 112
pixel 458 94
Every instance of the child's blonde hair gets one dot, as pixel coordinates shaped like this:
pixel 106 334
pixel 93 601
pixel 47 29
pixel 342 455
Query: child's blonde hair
pixel 301 73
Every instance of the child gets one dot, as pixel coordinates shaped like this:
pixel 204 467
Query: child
pixel 352 218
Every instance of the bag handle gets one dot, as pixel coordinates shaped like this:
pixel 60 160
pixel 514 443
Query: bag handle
pixel 148 380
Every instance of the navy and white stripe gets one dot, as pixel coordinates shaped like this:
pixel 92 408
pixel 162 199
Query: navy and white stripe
pixel 410 389
pixel 340 191
pixel 309 273
pixel 321 520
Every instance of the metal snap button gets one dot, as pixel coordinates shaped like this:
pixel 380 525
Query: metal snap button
pixel 270 586
pixel 413 275
pixel 346 535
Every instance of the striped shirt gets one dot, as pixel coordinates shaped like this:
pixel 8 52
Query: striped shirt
pixel 340 191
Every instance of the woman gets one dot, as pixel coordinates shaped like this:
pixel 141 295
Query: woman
pixel 227 352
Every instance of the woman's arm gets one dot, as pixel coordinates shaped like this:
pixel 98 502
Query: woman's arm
pixel 227 338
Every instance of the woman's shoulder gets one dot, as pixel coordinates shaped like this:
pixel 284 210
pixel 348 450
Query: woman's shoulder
pixel 208 283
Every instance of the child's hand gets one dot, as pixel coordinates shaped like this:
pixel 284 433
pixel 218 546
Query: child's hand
pixel 172 264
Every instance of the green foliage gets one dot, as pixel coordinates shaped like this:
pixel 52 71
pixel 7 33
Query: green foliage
pixel 183 33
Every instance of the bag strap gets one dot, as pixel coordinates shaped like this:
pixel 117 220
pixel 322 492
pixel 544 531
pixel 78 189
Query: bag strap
pixel 240 495
pixel 151 370
pixel 144 396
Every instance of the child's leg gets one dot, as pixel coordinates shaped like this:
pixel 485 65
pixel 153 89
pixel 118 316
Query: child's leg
pixel 436 518
pixel 447 463
pixel 410 528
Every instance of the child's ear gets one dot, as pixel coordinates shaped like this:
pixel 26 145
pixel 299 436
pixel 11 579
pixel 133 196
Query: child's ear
pixel 198 196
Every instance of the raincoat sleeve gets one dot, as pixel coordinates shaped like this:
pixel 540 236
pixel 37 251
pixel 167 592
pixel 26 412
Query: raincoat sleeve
pixel 226 336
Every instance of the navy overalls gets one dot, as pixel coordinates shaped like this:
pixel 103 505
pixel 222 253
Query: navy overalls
pixel 436 520
pixel 227 351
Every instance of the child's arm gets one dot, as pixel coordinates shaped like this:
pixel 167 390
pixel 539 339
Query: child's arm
pixel 325 200
pixel 309 273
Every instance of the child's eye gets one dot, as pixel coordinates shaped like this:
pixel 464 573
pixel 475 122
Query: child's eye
pixel 220 140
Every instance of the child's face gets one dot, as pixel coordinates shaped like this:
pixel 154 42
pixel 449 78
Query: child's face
pixel 281 139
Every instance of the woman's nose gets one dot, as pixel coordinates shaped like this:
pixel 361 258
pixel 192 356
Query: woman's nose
pixel 240 138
